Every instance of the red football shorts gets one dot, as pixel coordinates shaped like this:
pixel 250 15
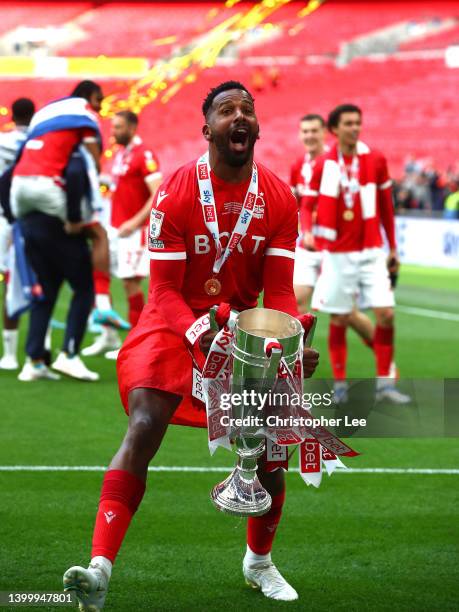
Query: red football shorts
pixel 153 357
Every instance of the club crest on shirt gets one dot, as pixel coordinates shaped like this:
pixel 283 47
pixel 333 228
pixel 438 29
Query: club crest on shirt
pixel 156 222
pixel 259 209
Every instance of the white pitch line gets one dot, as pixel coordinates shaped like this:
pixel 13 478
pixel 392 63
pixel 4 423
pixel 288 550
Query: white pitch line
pixel 425 312
pixel 201 469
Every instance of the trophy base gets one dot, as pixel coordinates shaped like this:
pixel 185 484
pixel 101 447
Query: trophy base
pixel 241 497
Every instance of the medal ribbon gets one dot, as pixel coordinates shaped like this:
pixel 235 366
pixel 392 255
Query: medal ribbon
pixel 209 211
pixel 349 186
pixel 306 173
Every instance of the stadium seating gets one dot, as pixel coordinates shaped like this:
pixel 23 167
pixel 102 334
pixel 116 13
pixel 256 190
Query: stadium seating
pixel 395 94
pixel 436 41
pixel 132 29
pixel 326 29
pixel 39 15
pixel 395 100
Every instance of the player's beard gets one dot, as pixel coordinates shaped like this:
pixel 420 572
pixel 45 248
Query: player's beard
pixel 123 140
pixel 235 159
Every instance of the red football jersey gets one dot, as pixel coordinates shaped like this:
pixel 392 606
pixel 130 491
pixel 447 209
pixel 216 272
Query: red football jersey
pixel 48 155
pixel 133 165
pixel 178 232
pixel 350 233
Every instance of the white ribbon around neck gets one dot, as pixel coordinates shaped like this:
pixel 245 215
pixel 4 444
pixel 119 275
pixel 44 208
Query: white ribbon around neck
pixel 350 186
pixel 209 211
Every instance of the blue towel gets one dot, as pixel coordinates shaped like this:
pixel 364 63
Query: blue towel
pixel 23 286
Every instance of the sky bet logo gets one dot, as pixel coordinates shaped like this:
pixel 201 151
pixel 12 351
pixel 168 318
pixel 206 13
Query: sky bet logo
pixel 245 216
pixel 207 197
pixel 209 214
pixel 235 239
pixel 250 201
pixel 202 171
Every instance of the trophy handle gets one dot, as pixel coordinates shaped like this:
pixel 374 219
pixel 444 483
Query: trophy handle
pixel 273 350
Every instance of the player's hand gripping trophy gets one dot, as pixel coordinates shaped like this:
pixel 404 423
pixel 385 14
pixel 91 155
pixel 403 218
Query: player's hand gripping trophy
pixel 263 336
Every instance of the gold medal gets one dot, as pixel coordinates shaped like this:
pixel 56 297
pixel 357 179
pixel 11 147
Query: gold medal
pixel 348 215
pixel 212 286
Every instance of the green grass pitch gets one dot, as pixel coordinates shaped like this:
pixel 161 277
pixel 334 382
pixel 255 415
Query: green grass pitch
pixel 362 541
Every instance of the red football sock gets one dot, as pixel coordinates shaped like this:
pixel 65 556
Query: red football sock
pixel 337 348
pixel 384 349
pixel 136 304
pixel 101 282
pixel 262 529
pixel 120 497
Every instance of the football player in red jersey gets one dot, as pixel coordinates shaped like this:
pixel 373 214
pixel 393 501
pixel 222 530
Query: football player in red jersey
pixel 351 192
pixel 308 258
pixel 136 176
pixel 154 366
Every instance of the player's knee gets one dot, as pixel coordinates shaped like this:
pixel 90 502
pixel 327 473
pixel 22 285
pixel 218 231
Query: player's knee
pixel 97 232
pixel 340 319
pixel 141 430
pixel 385 317
pixel 131 286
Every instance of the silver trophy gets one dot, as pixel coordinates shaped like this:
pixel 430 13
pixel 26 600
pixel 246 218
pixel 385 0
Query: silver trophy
pixel 255 368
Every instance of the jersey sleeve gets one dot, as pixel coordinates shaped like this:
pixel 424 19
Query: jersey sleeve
pixel 385 200
pixel 166 243
pixel 166 237
pixel 278 285
pixel 284 237
pixel 88 135
pixel 149 165
pixel 280 258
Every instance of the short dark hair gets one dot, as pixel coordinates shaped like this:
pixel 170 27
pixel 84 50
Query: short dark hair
pixel 22 109
pixel 85 89
pixel 226 86
pixel 129 116
pixel 335 115
pixel 314 117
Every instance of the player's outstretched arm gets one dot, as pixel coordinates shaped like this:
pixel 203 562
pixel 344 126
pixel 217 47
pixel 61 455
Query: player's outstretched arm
pixel 387 213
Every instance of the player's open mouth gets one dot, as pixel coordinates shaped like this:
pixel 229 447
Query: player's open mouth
pixel 239 139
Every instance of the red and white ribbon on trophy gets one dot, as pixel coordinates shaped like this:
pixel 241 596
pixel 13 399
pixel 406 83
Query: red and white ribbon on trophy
pixel 212 380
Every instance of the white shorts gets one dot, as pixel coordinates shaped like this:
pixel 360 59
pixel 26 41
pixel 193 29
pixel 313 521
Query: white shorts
pixel 37 193
pixel 307 267
pixel 128 256
pixel 349 278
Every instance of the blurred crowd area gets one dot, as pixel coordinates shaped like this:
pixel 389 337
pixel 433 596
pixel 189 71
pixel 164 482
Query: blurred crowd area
pixel 424 187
